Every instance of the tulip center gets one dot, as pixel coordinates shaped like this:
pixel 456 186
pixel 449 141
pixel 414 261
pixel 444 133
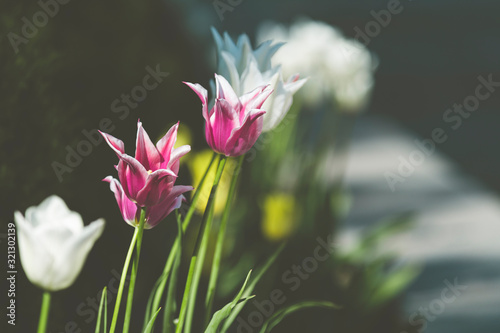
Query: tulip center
pixel 150 171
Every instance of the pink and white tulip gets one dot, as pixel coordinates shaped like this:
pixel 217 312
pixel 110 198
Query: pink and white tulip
pixel 234 123
pixel 148 178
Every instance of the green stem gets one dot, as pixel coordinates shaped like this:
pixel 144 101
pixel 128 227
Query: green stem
pixel 122 281
pixel 182 313
pixel 44 312
pixel 214 273
pixel 173 251
pixel 196 195
pixel 135 267
pixel 206 216
pixel 130 295
pixel 170 303
pixel 198 269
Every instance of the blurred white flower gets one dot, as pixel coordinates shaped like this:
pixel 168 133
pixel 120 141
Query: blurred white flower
pixel 246 69
pixel 338 67
pixel 53 243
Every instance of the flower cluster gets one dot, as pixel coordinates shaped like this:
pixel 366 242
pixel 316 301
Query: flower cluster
pixel 250 97
pixel 246 69
pixel 339 67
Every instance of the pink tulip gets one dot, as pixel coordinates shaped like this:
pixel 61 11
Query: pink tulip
pixel 154 214
pixel 234 123
pixel 148 179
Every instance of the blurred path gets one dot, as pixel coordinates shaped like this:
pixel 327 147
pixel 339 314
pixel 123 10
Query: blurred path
pixel 456 233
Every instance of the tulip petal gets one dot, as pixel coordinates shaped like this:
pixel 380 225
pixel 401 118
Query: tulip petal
pixel 35 259
pixel 53 236
pixel 251 76
pixel 264 53
pixel 244 50
pixel 257 101
pixel 203 95
pixel 177 153
pixel 128 208
pixel 281 100
pixel 156 184
pixel 243 43
pixel 243 138
pixel 166 144
pixel 250 96
pixel 146 152
pixel 223 90
pixel 70 261
pixel 230 46
pixel 232 71
pixel 225 120
pixel 293 84
pixel 52 210
pixel 116 144
pixel 173 200
pixel 218 39
pixel 132 175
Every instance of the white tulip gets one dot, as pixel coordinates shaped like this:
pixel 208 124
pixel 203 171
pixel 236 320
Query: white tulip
pixel 53 243
pixel 246 69
pixel 339 68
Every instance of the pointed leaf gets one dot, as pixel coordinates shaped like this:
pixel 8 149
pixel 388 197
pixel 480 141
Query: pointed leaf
pixel 151 324
pixel 220 316
pixel 281 314
pixel 104 298
pixel 251 287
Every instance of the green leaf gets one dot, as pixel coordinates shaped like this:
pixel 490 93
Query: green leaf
pixel 230 277
pixel 251 287
pixel 221 315
pixel 393 283
pixel 152 295
pixel 376 235
pixel 151 324
pixel 281 314
pixel 103 304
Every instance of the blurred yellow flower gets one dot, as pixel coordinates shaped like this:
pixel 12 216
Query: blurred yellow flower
pixel 197 164
pixel 279 220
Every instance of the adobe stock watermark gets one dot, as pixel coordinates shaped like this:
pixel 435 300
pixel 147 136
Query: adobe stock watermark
pixel 222 6
pixel 89 309
pixel 119 106
pixel 30 27
pixel 454 118
pixel 292 278
pixel 421 318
